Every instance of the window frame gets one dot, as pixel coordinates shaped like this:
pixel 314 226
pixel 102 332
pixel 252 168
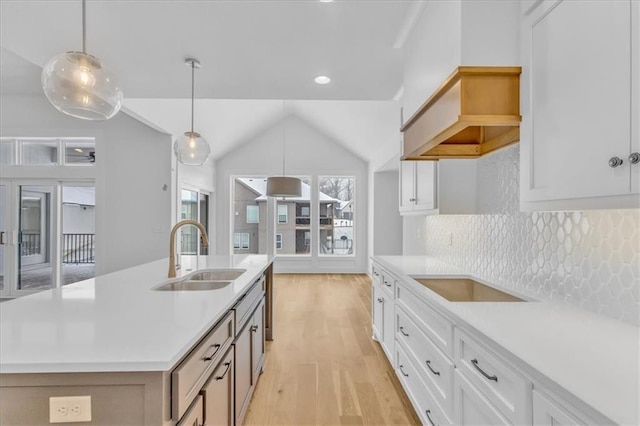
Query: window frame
pixel 240 241
pixel 279 241
pixel 286 214
pixel 257 214
pixel 353 219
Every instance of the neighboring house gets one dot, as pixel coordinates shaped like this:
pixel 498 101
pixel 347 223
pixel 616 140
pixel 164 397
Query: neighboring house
pixel 293 222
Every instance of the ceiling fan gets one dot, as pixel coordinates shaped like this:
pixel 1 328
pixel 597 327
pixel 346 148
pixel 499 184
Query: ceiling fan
pixel 82 157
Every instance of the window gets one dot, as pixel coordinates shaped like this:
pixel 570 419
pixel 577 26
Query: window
pixel 241 241
pixel 283 213
pixel 278 241
pixel 48 151
pixel 253 214
pixel 336 219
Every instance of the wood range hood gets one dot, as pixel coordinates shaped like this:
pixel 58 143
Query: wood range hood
pixel 475 111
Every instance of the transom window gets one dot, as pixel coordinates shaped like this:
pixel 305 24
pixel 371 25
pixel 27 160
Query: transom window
pixel 47 151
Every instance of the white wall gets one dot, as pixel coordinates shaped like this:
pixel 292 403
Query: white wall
pixel 133 165
pixel 387 222
pixel 315 155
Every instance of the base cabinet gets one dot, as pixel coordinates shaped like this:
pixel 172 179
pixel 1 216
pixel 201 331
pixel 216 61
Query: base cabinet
pixel 472 408
pixel 548 413
pixel 249 351
pixel 194 415
pixel 217 394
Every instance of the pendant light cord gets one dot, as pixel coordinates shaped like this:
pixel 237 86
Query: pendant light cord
pixel 84 26
pixel 193 77
pixel 284 133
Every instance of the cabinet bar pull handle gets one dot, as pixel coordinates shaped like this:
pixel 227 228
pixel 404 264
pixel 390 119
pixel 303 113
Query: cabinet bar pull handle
pixel 429 418
pixel 380 299
pixel 228 364
pixel 2 238
pixel 437 373
pixel 386 283
pixel 475 364
pixel 254 328
pixel 402 371
pixel 210 357
pixel 402 331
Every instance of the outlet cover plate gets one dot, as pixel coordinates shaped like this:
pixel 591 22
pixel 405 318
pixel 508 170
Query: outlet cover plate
pixel 69 409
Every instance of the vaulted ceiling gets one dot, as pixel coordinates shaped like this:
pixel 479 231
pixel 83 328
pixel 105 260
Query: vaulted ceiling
pixel 254 50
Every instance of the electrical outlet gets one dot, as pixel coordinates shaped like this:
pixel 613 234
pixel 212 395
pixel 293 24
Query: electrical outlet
pixel 69 409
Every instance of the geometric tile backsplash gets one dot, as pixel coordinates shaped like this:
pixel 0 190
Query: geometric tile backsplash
pixel 588 259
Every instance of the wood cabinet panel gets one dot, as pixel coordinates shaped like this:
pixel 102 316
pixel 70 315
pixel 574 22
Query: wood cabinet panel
pixel 217 394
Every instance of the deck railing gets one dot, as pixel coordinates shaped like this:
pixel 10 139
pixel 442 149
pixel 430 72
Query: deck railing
pixel 78 248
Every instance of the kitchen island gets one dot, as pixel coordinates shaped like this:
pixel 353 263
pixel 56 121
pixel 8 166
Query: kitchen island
pixel 117 339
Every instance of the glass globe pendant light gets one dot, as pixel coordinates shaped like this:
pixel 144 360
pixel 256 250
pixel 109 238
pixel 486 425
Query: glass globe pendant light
pixel 283 186
pixel 191 148
pixel 80 85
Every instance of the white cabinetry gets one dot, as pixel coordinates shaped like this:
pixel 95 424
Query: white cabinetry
pixel 548 413
pixel 438 187
pixel 418 186
pixel 580 105
pixel 383 310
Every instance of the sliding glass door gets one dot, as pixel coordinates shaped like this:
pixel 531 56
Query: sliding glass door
pixel 47 234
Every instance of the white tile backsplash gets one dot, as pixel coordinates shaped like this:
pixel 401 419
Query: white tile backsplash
pixel 588 259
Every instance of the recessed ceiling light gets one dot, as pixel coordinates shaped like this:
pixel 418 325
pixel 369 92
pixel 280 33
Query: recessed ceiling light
pixel 326 1
pixel 322 79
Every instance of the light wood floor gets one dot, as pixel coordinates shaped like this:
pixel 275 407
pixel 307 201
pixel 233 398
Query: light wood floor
pixel 323 367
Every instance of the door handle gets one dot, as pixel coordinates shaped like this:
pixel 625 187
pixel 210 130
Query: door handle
pixel 2 241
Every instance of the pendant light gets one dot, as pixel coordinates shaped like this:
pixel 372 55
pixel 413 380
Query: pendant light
pixel 191 148
pixel 80 85
pixel 283 186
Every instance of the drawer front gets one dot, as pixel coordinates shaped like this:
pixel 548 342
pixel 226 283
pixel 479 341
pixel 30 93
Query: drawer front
pixel 376 273
pixel 187 379
pixel 472 408
pixel 388 283
pixel 244 306
pixel 436 368
pixel 434 325
pixel 547 412
pixel 422 400
pixel 195 414
pixel 500 383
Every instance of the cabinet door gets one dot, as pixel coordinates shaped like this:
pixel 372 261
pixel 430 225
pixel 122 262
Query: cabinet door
pixel 547 413
pixel 472 408
pixel 388 326
pixel 426 185
pixel 407 185
pixel 257 343
pixel 377 304
pixel 243 371
pixel 218 394
pixel 577 97
pixel 635 94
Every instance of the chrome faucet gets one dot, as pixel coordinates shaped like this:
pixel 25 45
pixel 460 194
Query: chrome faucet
pixel 172 243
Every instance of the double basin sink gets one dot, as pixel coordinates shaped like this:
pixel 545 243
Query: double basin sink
pixel 466 290
pixel 208 279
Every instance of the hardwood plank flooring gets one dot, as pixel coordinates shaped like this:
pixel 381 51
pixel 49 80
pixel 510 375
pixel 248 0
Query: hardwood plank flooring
pixel 323 367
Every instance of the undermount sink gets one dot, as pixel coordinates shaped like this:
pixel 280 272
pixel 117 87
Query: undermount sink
pixel 217 275
pixel 193 285
pixel 466 290
pixel 209 279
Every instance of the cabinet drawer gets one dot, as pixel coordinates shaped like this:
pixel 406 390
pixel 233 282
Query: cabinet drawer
pixel 472 408
pixel 376 273
pixel 423 401
pixel 189 376
pixel 195 414
pixel 434 325
pixel 436 368
pixel 500 383
pixel 244 306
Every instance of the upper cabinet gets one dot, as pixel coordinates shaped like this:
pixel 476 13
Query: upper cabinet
pixel 580 142
pixel 438 187
pixel 475 111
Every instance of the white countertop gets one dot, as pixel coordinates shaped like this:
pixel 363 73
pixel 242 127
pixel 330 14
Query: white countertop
pixel 116 322
pixel 595 358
